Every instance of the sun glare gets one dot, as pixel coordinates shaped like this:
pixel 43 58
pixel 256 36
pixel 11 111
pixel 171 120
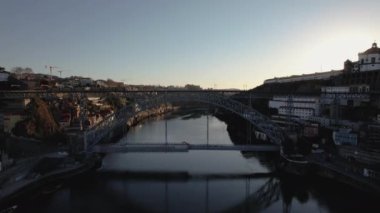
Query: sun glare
pixel 330 51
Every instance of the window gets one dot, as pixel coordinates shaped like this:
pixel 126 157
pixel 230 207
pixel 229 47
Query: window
pixel 362 62
pixel 373 60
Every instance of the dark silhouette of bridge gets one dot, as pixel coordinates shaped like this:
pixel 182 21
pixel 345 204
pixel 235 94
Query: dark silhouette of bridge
pixel 262 123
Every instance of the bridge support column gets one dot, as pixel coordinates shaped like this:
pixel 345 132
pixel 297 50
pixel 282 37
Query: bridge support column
pixel 247 193
pixel 207 134
pixel 249 133
pixel 207 197
pixel 166 132
pixel 85 145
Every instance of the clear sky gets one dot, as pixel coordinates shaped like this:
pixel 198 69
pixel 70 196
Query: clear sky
pixel 222 43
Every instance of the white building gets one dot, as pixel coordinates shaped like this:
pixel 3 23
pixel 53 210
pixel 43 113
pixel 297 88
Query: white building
pixel 370 59
pixel 86 82
pixel 101 84
pixel 298 106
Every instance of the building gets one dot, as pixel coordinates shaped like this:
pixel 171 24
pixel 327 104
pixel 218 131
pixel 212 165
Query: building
pixel 370 59
pixel 11 119
pixel 353 95
pixel 364 71
pixel 295 106
pixel 335 123
pixel 311 130
pixel 4 75
pixel 101 84
pixel 86 82
pixel 11 112
pixel 346 89
pixel 345 137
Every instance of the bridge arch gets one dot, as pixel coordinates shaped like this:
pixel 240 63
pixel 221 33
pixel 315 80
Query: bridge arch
pixel 260 121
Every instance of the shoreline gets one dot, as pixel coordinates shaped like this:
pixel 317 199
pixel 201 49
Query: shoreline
pixel 10 194
pixel 91 162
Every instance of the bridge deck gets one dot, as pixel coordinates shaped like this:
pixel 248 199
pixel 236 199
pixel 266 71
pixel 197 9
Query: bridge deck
pixel 182 147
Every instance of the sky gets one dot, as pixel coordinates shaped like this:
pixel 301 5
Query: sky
pixel 211 43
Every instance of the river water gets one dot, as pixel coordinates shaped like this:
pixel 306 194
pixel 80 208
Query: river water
pixel 195 181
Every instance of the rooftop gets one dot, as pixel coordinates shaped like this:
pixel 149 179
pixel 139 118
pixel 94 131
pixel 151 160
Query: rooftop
pixel 373 50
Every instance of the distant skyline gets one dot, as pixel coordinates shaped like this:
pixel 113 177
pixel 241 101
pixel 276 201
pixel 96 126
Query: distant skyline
pixel 222 43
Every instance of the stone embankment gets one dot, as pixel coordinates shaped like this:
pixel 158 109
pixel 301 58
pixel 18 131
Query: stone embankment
pixel 150 113
pixel 119 132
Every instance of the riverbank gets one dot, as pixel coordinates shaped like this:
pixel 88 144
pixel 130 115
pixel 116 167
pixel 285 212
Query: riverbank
pixel 140 182
pixel 120 130
pixel 25 181
pixel 31 180
pixel 337 169
pixel 315 166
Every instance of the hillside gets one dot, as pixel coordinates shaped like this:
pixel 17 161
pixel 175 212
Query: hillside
pixel 299 87
pixel 39 123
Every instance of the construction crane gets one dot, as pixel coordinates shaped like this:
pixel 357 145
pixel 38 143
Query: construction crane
pixel 61 71
pixel 51 70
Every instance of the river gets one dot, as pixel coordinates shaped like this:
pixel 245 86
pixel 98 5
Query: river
pixel 195 181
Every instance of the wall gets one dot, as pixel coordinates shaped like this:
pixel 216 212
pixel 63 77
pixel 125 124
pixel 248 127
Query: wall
pixel 300 106
pixel 368 65
pixel 304 77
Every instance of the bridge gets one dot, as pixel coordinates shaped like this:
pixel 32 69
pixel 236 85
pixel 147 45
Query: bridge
pixel 120 118
pixel 181 147
pixel 241 94
pixel 151 99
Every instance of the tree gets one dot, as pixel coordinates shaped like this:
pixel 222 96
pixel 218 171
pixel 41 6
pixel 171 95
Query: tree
pixel 192 87
pixel 19 72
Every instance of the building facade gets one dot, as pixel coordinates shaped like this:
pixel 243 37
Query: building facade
pixel 3 74
pixel 296 106
pixel 345 137
pixel 354 95
pixel 370 59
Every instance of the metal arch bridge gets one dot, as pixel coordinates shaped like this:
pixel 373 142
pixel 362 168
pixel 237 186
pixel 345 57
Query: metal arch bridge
pixel 95 134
